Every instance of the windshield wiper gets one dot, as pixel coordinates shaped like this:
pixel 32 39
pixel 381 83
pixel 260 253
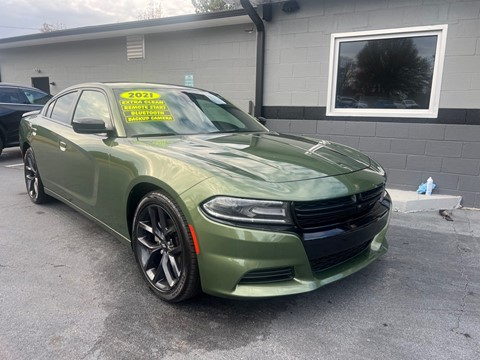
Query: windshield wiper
pixel 231 131
pixel 154 135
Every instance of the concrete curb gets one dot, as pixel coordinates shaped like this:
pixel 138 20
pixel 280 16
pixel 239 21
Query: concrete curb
pixel 410 201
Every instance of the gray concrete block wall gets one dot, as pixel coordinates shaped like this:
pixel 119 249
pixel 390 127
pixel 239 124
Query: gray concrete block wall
pixel 221 61
pixel 410 153
pixel 302 40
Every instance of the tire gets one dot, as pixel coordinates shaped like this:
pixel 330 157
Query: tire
pixel 164 249
pixel 33 181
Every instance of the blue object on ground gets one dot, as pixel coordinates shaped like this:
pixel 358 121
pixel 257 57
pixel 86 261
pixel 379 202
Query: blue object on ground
pixel 422 188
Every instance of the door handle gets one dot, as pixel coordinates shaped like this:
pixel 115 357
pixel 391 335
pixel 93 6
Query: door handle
pixel 63 146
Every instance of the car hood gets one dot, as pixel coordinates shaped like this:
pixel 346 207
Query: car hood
pixel 261 156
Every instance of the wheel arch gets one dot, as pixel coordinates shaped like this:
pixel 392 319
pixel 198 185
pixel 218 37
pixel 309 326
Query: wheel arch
pixel 136 194
pixel 142 188
pixel 24 147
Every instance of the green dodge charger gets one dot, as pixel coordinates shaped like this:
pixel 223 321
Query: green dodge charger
pixel 209 199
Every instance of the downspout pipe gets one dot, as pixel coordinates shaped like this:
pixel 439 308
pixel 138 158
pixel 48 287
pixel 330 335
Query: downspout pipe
pixel 260 62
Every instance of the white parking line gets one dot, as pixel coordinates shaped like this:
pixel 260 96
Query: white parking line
pixel 14 165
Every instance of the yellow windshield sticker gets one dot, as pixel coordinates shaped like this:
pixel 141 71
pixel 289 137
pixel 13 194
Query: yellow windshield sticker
pixel 139 94
pixel 141 105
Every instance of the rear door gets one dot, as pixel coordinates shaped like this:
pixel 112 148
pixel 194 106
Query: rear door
pixel 48 141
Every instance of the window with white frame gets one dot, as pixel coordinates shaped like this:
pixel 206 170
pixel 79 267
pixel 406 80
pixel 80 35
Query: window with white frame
pixel 386 73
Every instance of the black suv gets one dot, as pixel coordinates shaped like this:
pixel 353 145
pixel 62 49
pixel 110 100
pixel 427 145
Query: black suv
pixel 16 100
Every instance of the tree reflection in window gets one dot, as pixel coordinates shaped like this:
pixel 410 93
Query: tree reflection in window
pixel 386 73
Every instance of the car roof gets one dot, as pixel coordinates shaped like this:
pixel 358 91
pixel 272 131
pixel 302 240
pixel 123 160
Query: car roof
pixel 136 85
pixel 5 84
pixel 132 85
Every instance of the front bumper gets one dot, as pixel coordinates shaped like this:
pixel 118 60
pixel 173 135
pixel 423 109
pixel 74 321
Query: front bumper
pixel 230 254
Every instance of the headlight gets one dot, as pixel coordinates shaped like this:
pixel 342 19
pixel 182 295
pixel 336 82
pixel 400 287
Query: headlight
pixel 248 210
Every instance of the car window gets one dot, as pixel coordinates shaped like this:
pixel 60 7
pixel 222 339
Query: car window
pixel 61 109
pixel 94 105
pixel 12 96
pixel 48 111
pixel 36 97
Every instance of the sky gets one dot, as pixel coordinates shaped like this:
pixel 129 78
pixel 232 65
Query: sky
pixel 23 17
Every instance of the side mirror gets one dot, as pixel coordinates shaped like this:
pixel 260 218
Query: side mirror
pixel 89 126
pixel 262 120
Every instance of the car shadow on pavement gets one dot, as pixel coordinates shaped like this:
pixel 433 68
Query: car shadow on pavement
pixel 10 155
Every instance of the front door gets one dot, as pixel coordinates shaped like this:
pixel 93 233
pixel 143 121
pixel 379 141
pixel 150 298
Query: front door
pixel 42 83
pixel 85 156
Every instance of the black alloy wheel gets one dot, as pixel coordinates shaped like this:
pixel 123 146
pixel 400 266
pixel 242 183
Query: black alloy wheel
pixel 33 182
pixel 164 249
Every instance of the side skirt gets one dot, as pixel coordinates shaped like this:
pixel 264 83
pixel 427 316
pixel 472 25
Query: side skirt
pixel 89 216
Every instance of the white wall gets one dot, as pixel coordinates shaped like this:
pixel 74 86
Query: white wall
pixel 221 59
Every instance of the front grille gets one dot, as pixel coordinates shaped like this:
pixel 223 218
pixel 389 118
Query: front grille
pixel 267 276
pixel 325 262
pixel 330 213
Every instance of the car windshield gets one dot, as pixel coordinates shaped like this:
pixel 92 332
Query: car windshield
pixel 36 97
pixel 159 111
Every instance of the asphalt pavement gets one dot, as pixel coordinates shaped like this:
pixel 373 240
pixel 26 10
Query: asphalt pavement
pixel 69 290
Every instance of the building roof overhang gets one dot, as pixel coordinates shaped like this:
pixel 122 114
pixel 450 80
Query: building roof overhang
pixel 153 26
